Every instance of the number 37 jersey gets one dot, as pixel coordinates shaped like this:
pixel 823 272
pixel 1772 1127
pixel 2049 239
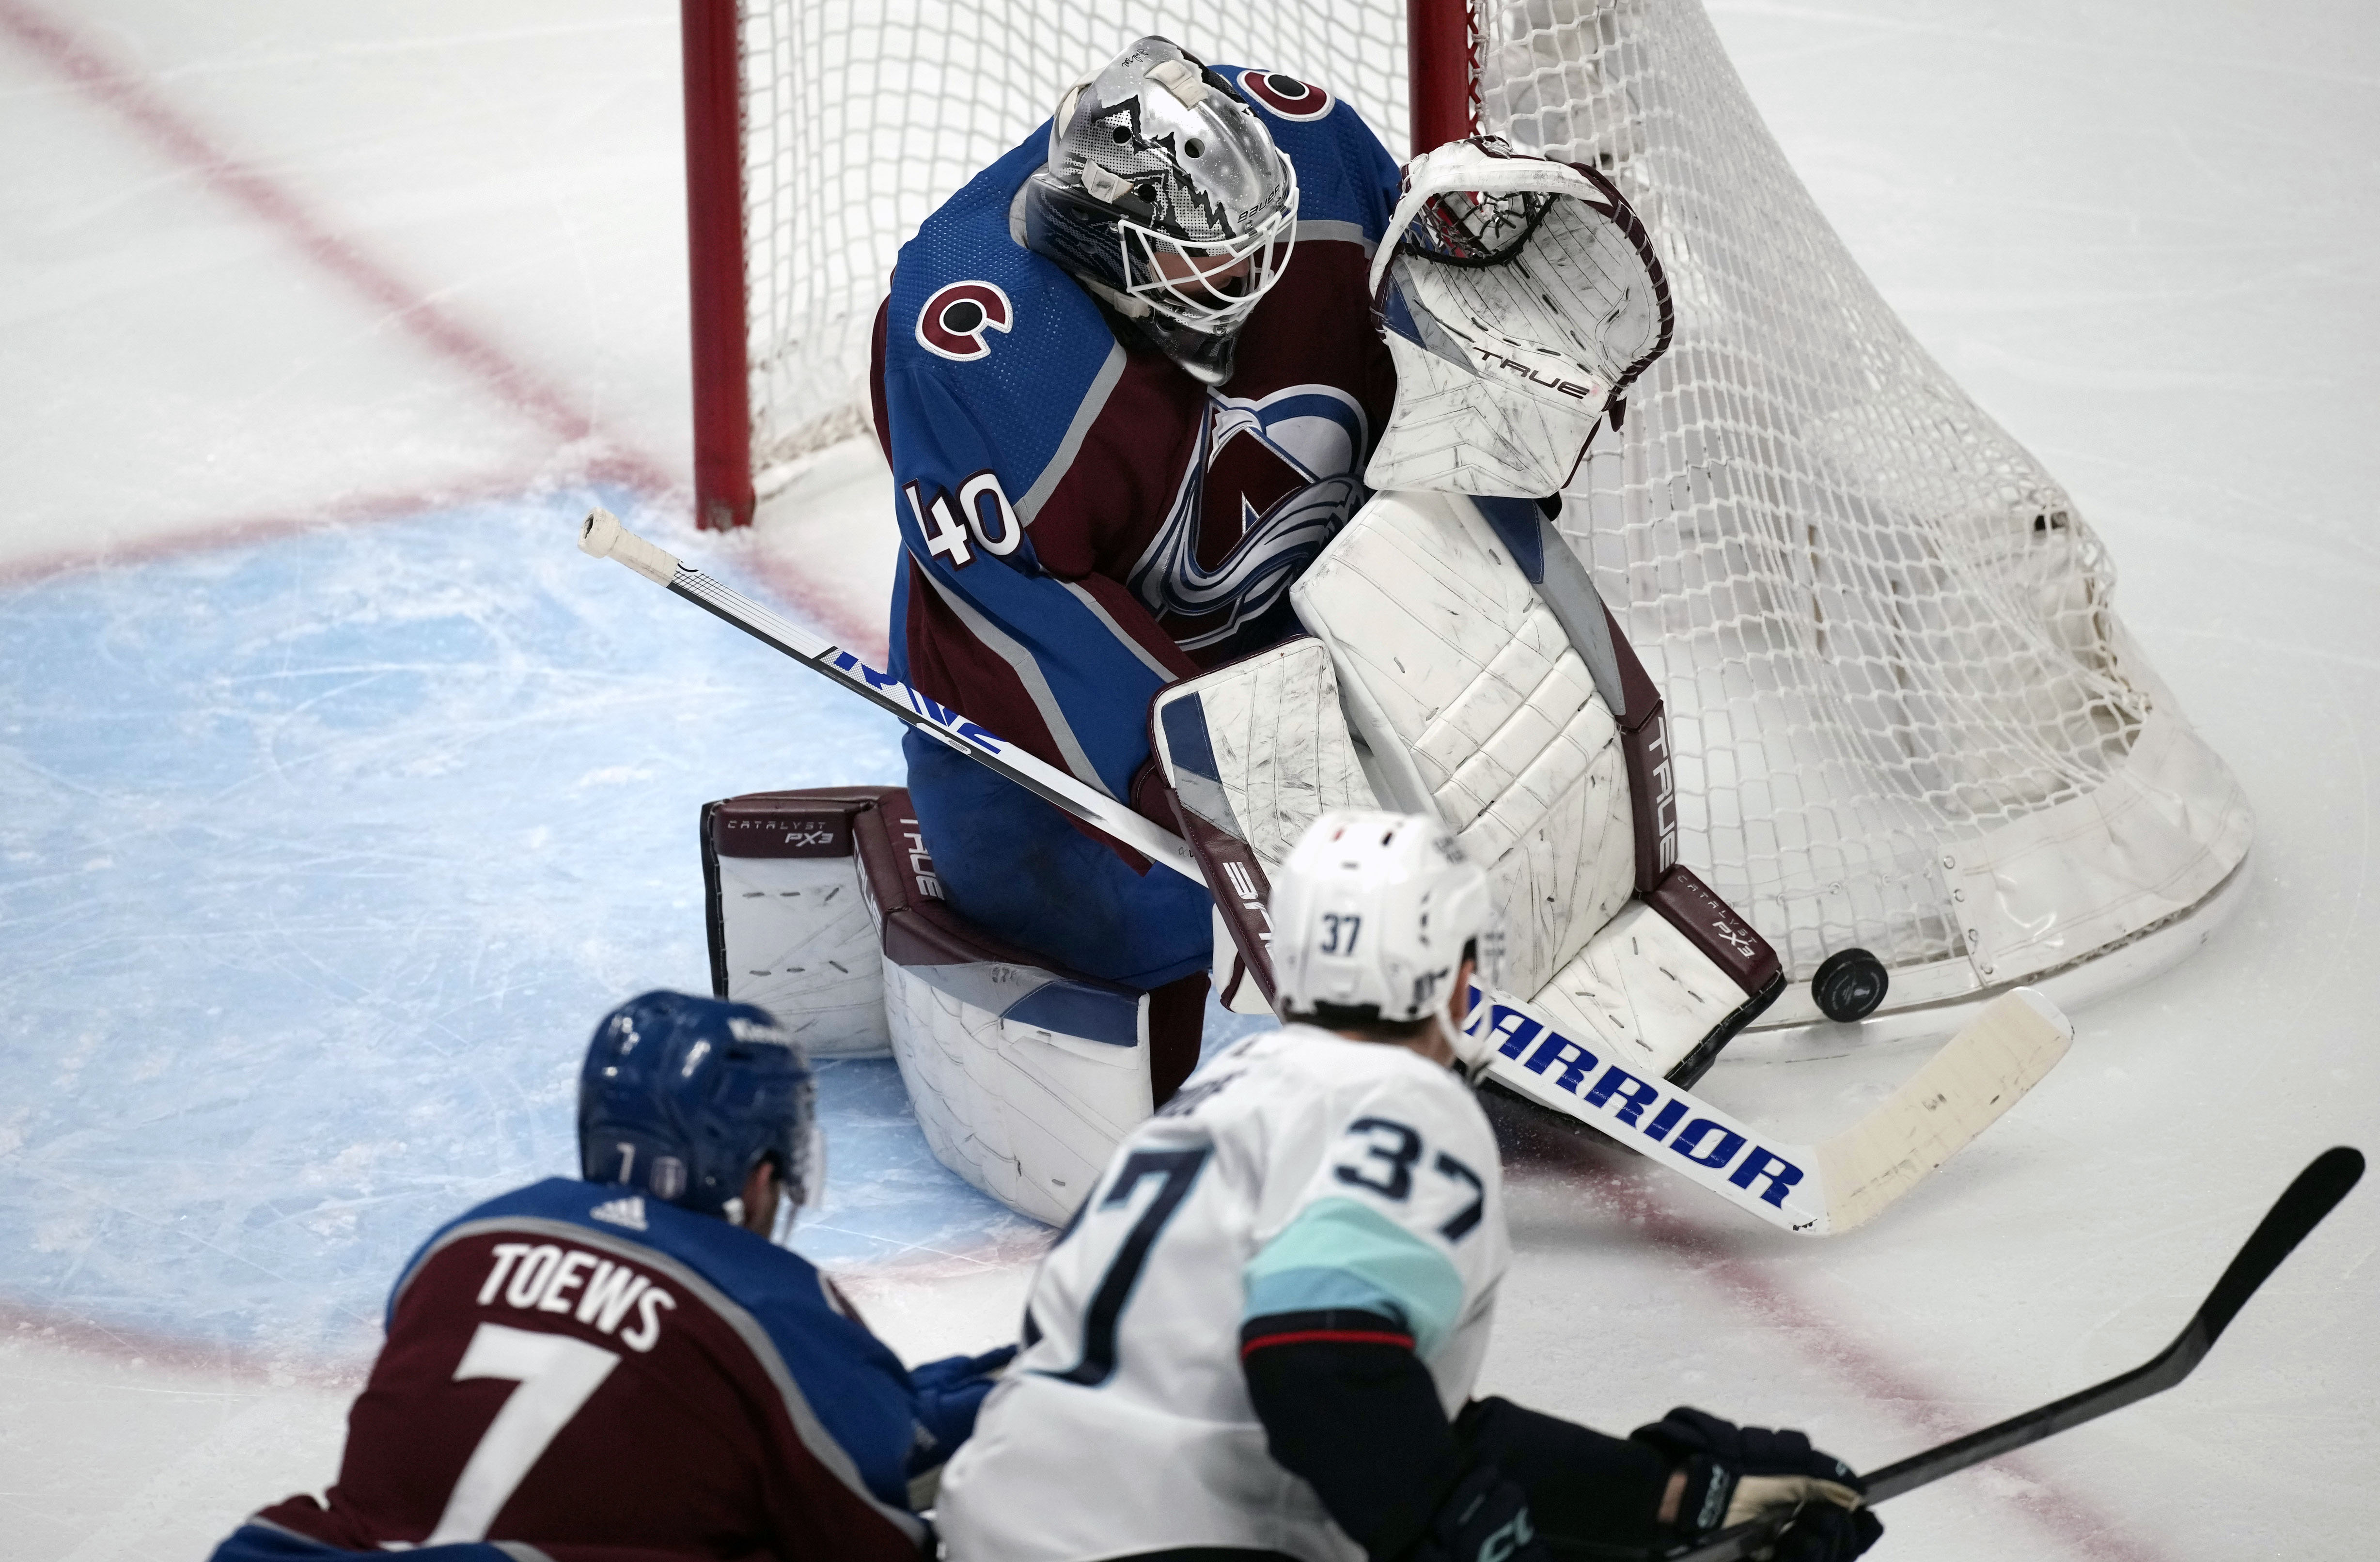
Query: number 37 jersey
pixel 1300 1185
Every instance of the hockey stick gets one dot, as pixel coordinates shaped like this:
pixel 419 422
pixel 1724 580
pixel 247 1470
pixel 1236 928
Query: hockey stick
pixel 1808 1190
pixel 602 535
pixel 2315 1192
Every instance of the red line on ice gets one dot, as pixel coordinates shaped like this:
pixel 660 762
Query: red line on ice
pixel 2090 1533
pixel 43 1326
pixel 262 526
pixel 858 626
pixel 181 140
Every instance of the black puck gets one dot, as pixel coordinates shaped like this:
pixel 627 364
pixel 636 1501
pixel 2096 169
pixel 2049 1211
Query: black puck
pixel 1849 985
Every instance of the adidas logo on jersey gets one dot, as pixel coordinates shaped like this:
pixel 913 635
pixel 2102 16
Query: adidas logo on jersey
pixel 628 1212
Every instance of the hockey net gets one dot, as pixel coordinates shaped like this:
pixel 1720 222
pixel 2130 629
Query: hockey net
pixel 1906 717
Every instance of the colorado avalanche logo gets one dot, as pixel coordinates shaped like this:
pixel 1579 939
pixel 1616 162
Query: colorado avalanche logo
pixel 1307 443
pixel 953 321
pixel 1286 95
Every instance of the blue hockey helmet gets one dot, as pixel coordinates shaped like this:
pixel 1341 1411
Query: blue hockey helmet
pixel 682 1097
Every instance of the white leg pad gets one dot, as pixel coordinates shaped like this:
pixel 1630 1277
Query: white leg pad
pixel 1464 683
pixel 1024 1077
pixel 1027 1114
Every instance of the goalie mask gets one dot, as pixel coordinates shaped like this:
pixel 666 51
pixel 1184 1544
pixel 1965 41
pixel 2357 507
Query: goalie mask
pixel 1165 194
pixel 1372 914
pixel 1520 300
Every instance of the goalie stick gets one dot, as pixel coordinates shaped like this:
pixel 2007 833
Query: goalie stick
pixel 2315 1193
pixel 1809 1189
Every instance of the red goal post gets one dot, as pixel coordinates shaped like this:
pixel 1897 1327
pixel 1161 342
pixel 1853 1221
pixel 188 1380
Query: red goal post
pixel 1906 716
pixel 714 247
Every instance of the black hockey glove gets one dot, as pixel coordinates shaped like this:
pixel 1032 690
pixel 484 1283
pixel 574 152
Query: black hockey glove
pixel 1735 1474
pixel 1484 1518
pixel 948 1393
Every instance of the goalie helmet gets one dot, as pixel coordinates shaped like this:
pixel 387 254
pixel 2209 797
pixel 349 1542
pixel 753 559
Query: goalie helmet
pixel 1520 300
pixel 1165 194
pixel 1372 914
pixel 681 1096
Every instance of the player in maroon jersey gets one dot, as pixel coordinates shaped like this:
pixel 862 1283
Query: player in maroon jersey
pixel 627 1368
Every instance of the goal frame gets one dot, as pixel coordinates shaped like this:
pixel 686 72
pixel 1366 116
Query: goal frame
pixel 1909 718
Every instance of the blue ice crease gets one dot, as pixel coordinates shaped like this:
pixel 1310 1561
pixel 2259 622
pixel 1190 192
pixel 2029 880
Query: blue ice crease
pixel 319 859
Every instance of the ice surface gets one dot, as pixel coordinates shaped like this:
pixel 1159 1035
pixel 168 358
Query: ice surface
pixel 320 850
pixel 321 856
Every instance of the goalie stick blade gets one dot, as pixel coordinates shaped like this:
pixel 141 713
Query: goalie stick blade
pixel 1961 1090
pixel 1808 1190
pixel 2315 1192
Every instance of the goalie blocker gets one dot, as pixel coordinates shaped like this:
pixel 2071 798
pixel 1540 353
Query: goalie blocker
pixel 823 906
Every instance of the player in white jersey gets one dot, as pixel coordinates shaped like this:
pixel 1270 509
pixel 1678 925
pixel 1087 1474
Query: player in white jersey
pixel 1259 1334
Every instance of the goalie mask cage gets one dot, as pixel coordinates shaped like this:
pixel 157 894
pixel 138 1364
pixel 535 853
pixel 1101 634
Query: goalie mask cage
pixel 1905 715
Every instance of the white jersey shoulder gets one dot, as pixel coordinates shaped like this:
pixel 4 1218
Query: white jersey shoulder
pixel 1299 1182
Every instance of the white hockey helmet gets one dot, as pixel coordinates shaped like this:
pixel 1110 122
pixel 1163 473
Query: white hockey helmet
pixel 1166 194
pixel 1520 300
pixel 1372 914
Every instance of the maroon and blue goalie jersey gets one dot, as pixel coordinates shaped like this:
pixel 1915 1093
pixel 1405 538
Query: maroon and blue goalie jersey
pixel 600 1375
pixel 1084 521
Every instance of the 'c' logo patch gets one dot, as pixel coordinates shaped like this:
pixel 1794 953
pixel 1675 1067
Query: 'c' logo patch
pixel 1286 95
pixel 953 321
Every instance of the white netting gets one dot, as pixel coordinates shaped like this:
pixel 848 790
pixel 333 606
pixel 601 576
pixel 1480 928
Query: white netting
pixel 860 115
pixel 1878 625
pixel 1883 632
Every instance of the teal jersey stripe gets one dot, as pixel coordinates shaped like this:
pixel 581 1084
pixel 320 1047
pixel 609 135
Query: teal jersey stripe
pixel 1341 1254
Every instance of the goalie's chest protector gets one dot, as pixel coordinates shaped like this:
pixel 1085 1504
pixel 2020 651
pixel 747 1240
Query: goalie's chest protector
pixel 1296 1172
pixel 1083 520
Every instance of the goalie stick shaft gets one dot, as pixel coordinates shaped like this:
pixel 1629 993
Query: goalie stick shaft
pixel 1784 1184
pixel 2315 1193
pixel 602 536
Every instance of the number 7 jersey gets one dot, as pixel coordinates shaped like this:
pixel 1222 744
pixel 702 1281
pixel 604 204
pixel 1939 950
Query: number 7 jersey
pixel 1301 1185
pixel 595 1374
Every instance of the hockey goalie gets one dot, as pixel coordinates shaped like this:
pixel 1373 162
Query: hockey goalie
pixel 1458 662
pixel 1222 462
